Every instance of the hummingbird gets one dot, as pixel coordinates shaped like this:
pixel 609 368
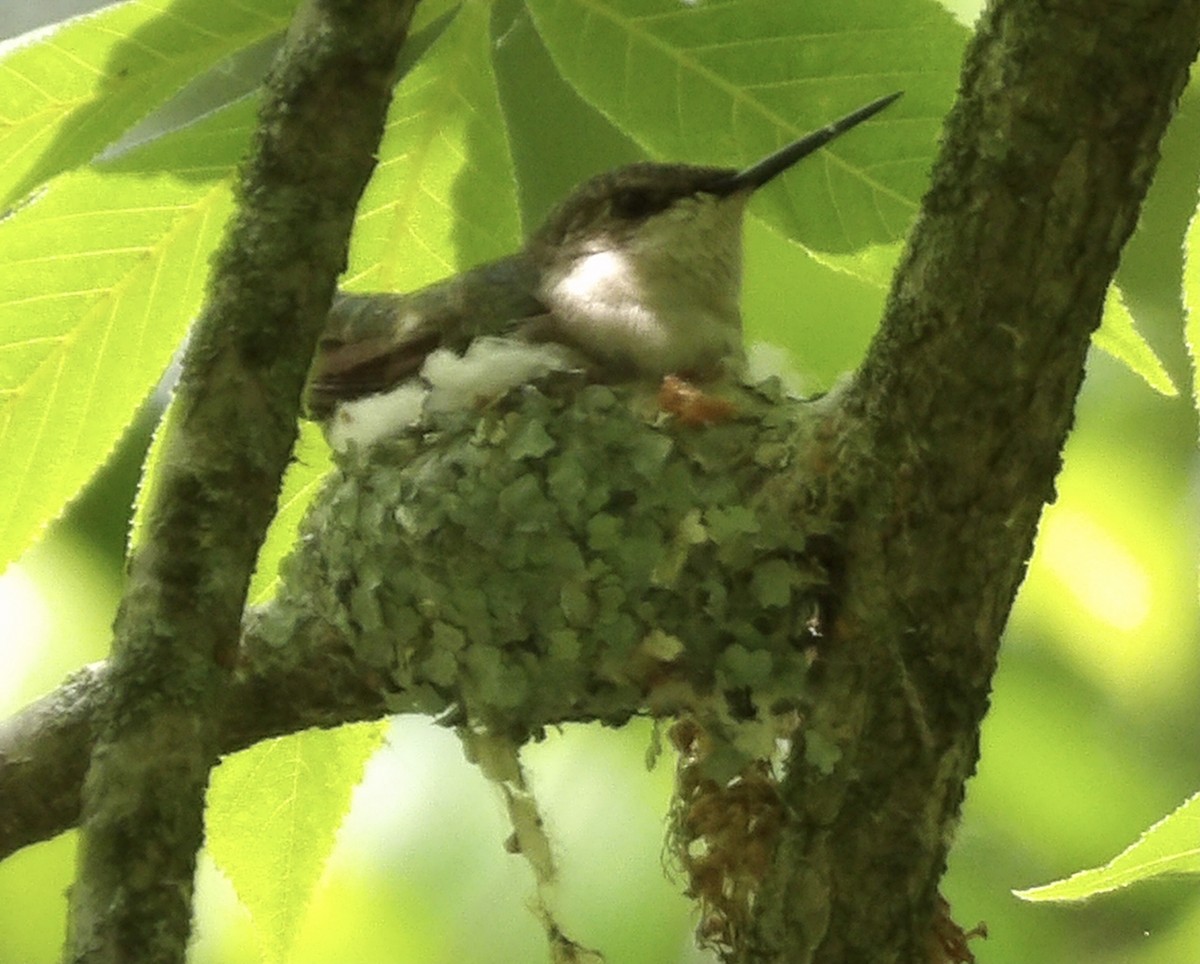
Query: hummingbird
pixel 635 276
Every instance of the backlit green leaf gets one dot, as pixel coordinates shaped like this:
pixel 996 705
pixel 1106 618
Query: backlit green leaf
pixel 67 94
pixel 103 273
pixel 443 195
pixel 1191 300
pixel 1118 336
pixel 1171 846
pixel 273 813
pixel 728 81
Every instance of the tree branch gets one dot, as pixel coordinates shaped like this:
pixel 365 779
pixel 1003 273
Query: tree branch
pixel 233 425
pixel 952 438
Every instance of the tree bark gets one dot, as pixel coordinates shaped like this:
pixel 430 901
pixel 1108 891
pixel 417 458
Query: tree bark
pixel 948 445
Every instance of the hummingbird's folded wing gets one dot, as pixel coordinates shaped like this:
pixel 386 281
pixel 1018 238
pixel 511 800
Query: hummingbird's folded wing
pixel 373 342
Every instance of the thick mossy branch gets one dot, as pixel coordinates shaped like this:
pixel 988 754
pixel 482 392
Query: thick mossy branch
pixel 573 554
pixel 234 424
pixel 954 429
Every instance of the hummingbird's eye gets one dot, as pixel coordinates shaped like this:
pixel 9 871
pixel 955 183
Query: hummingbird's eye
pixel 633 204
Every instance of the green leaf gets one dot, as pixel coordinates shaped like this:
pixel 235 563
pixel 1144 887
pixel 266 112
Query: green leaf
pixel 443 195
pixel 148 479
pixel 874 264
pixel 273 813
pixel 1191 304
pixel 1170 847
pixel 1191 300
pixel 115 259
pixel 764 73
pixel 68 94
pixel 1118 336
pixel 103 272
pixel 310 461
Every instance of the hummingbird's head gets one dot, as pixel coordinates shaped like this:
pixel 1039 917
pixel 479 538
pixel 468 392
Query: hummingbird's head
pixel 642 266
pixel 629 205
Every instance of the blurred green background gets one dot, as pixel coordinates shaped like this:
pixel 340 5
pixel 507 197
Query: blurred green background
pixel 1092 736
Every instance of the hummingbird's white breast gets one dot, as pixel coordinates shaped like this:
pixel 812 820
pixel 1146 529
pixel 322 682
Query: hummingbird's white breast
pixel 659 298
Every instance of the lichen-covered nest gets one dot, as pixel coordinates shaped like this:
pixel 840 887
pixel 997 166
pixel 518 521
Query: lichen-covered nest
pixel 572 552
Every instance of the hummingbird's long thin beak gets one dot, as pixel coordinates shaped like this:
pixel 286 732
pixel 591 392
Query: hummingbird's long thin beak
pixel 755 176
